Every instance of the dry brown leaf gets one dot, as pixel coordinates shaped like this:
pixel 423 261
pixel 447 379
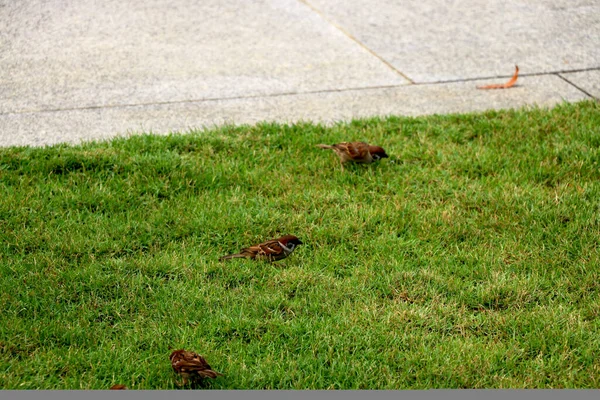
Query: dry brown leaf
pixel 506 85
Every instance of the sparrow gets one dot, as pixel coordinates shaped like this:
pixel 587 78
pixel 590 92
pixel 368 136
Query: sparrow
pixel 191 365
pixel 118 387
pixel 272 250
pixel 358 152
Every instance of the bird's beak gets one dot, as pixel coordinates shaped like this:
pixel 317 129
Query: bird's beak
pixel 300 242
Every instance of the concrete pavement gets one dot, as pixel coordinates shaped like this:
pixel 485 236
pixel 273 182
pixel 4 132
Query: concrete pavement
pixel 86 70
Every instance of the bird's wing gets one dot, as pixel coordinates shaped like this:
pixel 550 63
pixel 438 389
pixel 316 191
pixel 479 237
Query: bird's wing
pixel 269 249
pixel 356 150
pixel 197 365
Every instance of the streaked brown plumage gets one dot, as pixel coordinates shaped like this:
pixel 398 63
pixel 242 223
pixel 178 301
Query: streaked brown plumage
pixel 272 250
pixel 358 152
pixel 191 365
pixel 118 387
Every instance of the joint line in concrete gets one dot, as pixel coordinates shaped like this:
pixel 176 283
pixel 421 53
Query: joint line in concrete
pixel 576 86
pixel 355 40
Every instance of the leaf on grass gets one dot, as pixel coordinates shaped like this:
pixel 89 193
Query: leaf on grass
pixel 506 85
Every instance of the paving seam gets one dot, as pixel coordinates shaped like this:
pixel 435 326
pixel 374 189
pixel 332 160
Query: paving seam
pixel 567 71
pixel 355 40
pixel 283 94
pixel 577 87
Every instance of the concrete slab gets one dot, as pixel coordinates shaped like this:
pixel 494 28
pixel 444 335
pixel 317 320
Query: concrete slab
pixel 586 80
pixel 441 40
pixel 41 128
pixel 57 54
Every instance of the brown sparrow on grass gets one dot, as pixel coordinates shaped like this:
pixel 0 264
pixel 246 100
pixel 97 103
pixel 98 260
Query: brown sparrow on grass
pixel 272 250
pixel 358 152
pixel 191 365
pixel 118 387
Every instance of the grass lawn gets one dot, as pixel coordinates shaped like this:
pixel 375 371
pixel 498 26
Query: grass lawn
pixel 469 259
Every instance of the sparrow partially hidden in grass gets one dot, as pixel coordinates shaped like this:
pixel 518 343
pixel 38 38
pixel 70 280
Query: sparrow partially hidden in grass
pixel 118 387
pixel 191 365
pixel 272 250
pixel 358 152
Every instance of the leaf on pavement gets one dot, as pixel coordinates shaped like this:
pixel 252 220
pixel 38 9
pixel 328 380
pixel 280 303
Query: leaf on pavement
pixel 506 85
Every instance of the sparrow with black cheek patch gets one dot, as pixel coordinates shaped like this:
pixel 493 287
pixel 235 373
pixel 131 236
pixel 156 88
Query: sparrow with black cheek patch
pixel 272 250
pixel 191 365
pixel 358 152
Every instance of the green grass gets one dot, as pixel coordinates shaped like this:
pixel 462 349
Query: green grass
pixel 468 260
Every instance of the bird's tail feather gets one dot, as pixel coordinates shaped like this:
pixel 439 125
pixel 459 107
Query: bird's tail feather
pixel 209 373
pixel 230 256
pixel 325 146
